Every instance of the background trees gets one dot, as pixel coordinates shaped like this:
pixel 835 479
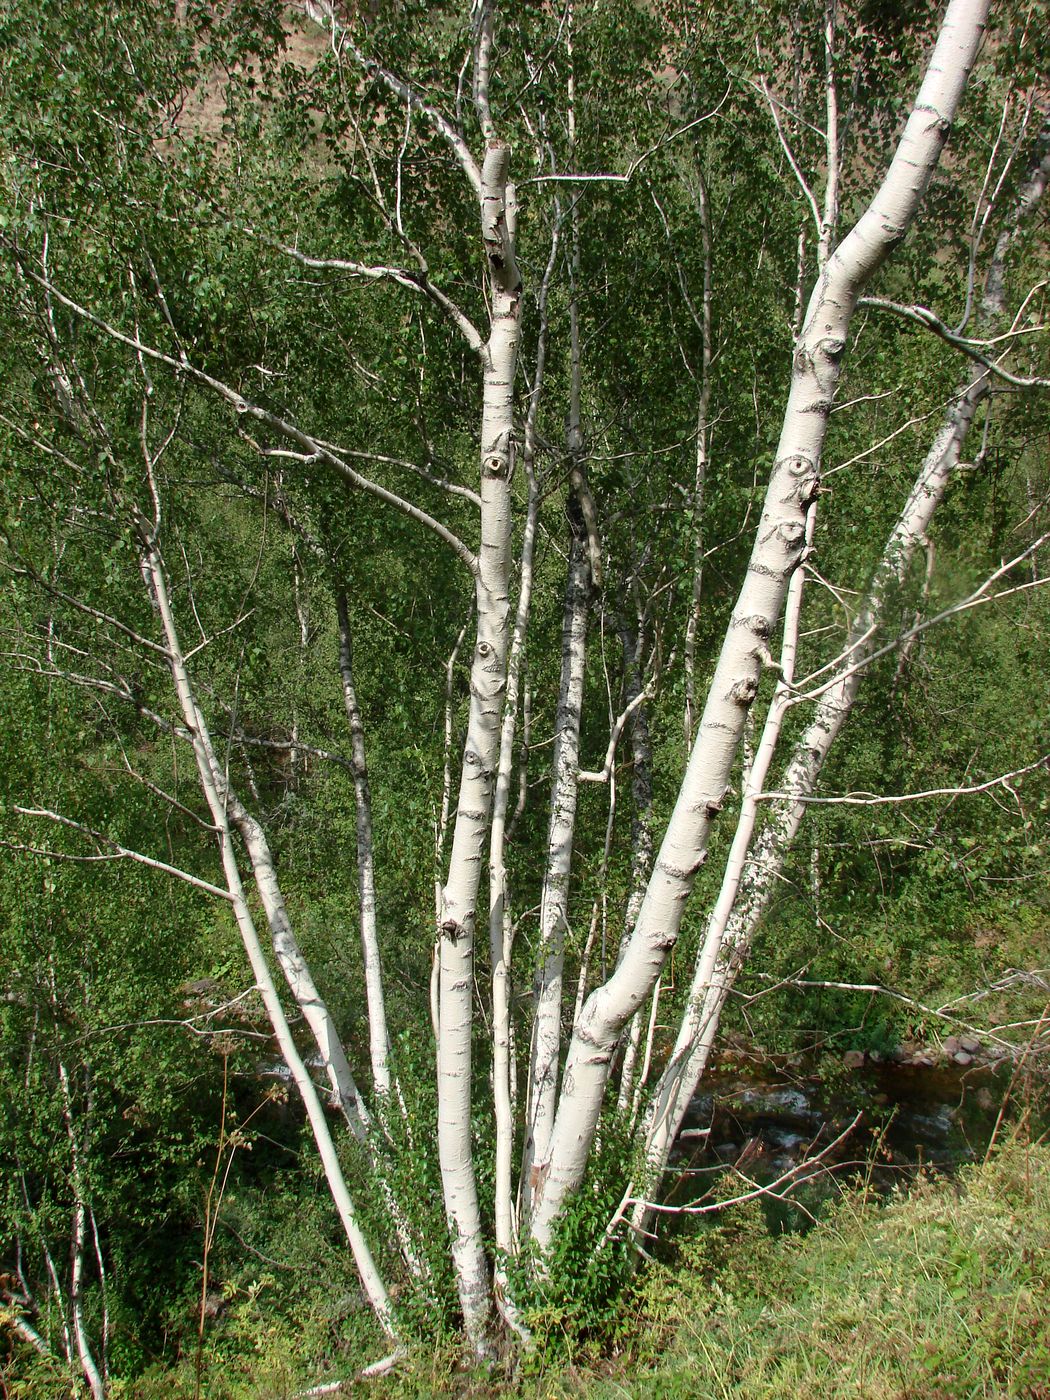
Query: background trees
pixel 388 411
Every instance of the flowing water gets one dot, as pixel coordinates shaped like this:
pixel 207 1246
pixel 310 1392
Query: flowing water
pixel 763 1126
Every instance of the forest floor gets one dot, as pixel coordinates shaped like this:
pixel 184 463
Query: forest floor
pixel 937 1291
pixel 940 1292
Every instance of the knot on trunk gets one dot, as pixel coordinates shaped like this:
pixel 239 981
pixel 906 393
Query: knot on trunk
pixel 754 622
pixel 743 691
pixel 793 533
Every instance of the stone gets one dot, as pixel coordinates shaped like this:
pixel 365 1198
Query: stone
pixel 922 1060
pixel 962 1058
pixel 970 1044
pixel 952 1046
pixel 853 1059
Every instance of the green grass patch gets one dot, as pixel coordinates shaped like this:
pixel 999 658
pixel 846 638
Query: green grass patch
pixel 942 1294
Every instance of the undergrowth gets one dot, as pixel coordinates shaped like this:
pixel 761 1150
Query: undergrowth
pixel 942 1294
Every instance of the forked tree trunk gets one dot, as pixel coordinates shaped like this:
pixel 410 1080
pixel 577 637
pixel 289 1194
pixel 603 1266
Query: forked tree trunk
pixel 793 485
pixel 211 780
pixel 667 1108
pixel 746 891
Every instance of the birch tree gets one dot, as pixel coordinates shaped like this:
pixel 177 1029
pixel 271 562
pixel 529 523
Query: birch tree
pixel 779 540
pixel 399 380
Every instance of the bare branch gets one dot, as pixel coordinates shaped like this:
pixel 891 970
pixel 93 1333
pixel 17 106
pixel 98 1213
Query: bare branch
pixel 869 799
pixel 323 12
pixel 785 144
pixel 415 281
pixel 315 450
pixel 119 852
pixel 922 316
pixel 625 176
pixel 603 773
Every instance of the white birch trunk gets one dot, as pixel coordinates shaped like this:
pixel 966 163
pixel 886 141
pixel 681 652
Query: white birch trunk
pixel 78 1234
pixel 458 912
pixel 500 923
pixel 793 485
pixel 378 1035
pixel 554 901
pixel 210 777
pixel 499 910
pixel 294 966
pixel 584 570
pixel 746 892
pixel 696 1032
pixel 641 837
pixel 76 1303
pixel 703 431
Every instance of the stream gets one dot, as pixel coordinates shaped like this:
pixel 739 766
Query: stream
pixel 767 1122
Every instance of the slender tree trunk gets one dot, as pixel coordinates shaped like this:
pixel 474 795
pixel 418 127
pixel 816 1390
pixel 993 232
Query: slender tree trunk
pixel 583 573
pixel 703 444
pixel 499 904
pixel 459 897
pixel 378 1035
pixel 641 838
pixel 793 485
pixel 500 921
pixel 78 1235
pixel 554 903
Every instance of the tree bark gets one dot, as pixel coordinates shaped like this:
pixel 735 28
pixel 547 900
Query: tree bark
pixel 458 912
pixel 793 485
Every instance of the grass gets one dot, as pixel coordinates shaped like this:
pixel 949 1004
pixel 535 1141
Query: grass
pixel 942 1294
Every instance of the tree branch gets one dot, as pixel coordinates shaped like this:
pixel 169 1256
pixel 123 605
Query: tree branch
pixel 119 852
pixel 922 316
pixel 246 409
